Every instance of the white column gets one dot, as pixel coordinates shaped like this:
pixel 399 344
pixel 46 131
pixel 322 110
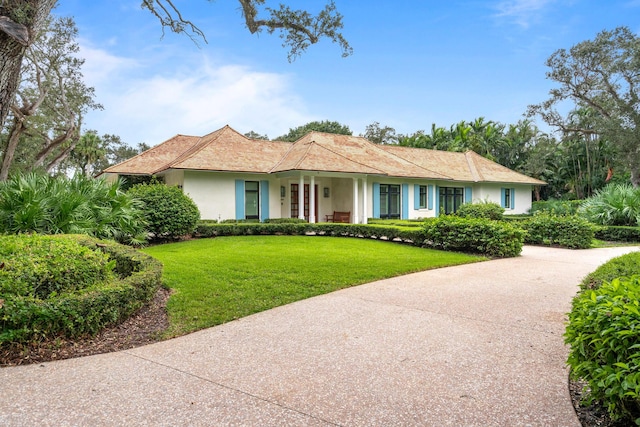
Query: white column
pixel 312 200
pixel 355 201
pixel 364 201
pixel 301 197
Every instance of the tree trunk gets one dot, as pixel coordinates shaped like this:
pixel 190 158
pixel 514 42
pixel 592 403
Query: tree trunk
pixel 13 45
pixel 12 144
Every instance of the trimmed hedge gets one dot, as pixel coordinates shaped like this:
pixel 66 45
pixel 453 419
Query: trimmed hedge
pixel 615 233
pixel 604 338
pixel 558 207
pixel 488 210
pixel 488 237
pixel 552 230
pixel 622 266
pixel 83 311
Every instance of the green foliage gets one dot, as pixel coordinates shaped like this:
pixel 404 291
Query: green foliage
pixel 558 207
pixel 37 266
pixel 484 209
pixel 612 233
pixel 83 308
pixel 492 238
pixel 604 337
pixel 168 211
pixel 285 220
pixel 323 126
pixel 615 204
pixel 222 279
pixel 622 266
pixel 554 230
pixel 79 205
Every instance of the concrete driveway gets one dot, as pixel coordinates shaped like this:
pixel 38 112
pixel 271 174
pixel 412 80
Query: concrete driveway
pixel 473 345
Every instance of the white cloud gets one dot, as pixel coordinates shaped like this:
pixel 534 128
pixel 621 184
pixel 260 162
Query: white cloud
pixel 153 102
pixel 522 12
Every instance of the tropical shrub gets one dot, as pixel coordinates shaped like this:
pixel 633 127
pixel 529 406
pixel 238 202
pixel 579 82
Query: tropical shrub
pixel 553 230
pixel 73 308
pixel 492 238
pixel 615 204
pixel 42 204
pixel 168 211
pixel 604 338
pixel 622 266
pixel 558 207
pixel 488 210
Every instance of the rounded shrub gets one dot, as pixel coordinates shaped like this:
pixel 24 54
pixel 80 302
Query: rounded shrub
pixel 488 210
pixel 38 266
pixel 492 238
pixel 554 230
pixel 168 211
pixel 83 302
pixel 604 338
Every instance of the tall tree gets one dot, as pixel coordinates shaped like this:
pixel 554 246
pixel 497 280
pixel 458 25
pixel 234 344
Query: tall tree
pixel 600 74
pixel 380 135
pixel 52 98
pixel 323 126
pixel 20 24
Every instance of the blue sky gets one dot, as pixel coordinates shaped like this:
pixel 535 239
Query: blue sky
pixel 414 63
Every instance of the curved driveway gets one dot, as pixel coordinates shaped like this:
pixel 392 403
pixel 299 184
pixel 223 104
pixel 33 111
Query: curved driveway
pixel 473 345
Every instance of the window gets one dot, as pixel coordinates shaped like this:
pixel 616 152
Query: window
pixel 251 199
pixel 507 197
pixel 423 197
pixel 389 201
pixel 451 198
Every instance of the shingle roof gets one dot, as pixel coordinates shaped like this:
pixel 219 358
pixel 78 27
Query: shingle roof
pixel 229 151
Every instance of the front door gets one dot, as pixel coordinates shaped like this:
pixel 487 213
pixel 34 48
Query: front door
pixel 295 208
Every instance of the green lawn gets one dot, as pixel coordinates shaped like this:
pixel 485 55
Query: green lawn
pixel 221 279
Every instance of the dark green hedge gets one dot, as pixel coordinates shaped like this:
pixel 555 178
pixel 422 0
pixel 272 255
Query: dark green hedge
pixel 622 266
pixel 488 210
pixel 604 338
pixel 484 236
pixel 88 310
pixel 612 233
pixel 552 230
pixel 558 207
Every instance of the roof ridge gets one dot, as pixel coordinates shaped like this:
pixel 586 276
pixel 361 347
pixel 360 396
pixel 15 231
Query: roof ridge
pixel 203 142
pixel 347 158
pixel 477 176
pixel 413 163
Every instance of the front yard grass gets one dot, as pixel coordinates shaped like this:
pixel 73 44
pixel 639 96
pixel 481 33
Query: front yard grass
pixel 222 279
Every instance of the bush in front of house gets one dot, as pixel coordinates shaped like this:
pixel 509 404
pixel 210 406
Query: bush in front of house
pixel 110 282
pixel 484 236
pixel 33 203
pixel 555 230
pixel 615 204
pixel 169 212
pixel 604 338
pixel 617 233
pixel 484 209
pixel 558 207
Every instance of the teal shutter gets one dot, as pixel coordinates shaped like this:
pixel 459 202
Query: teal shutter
pixel 468 194
pixel 430 197
pixel 503 198
pixel 513 198
pixel 264 200
pixel 416 197
pixel 405 201
pixel 376 200
pixel 239 199
pixel 437 198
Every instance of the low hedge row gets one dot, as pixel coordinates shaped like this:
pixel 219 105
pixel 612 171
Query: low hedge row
pixel 554 230
pixel 83 311
pixel 411 235
pixel 604 338
pixel 488 237
pixel 613 233
pixel 622 266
